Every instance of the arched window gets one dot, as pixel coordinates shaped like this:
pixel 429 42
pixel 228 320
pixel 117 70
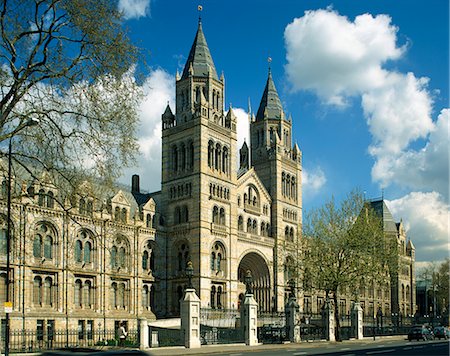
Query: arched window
pixel 213 261
pixel 48 247
pixel 219 261
pixel 211 154
pixel 183 157
pixel 48 297
pixel 117 213
pixel 50 200
pixel 78 251
pixel 37 246
pixel 114 257
pixel 41 197
pixel 291 234
pixel 115 295
pixel 184 214
pixel 122 296
pixel 145 296
pixel 145 260
pixel 88 300
pixel 240 223
pixel 183 256
pixel 286 233
pixel 89 208
pixel 37 290
pixel 219 297
pixel 3 243
pixel 249 225
pixel 148 220
pixel 174 158
pixel 2 288
pixel 123 216
pixel 81 206
pixel 255 227
pixel 263 229
pixel 222 216
pixel 87 252
pixel 225 160
pixel 215 215
pixel 191 156
pixel 213 297
pixel 78 293
pixel 217 156
pixel 121 256
pixel 177 215
pixel 152 260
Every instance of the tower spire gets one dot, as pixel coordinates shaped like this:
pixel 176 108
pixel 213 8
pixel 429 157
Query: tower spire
pixel 199 56
pixel 270 102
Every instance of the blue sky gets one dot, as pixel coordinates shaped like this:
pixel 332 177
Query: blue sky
pixel 366 83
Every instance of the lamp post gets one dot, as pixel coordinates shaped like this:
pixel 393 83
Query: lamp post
pixel 248 282
pixel 8 303
pixel 189 274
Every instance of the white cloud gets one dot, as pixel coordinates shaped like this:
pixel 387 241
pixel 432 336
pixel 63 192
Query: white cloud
pixel 338 58
pixel 159 89
pixel 134 8
pixel 426 219
pixel 426 168
pixel 313 181
pixel 335 57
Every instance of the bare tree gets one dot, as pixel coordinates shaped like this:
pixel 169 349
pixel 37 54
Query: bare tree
pixel 68 64
pixel 344 248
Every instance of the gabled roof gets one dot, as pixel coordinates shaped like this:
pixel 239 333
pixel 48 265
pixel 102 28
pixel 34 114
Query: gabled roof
pixel 270 102
pixel 200 58
pixel 251 175
pixel 383 212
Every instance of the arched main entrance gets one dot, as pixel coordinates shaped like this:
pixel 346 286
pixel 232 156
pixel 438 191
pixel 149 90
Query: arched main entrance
pixel 261 278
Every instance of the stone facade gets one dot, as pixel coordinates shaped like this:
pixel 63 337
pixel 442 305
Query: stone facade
pixel 106 257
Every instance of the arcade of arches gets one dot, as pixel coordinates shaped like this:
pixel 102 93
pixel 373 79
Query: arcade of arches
pixel 261 279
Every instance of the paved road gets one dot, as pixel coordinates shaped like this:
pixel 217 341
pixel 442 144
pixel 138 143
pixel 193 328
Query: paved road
pixel 393 348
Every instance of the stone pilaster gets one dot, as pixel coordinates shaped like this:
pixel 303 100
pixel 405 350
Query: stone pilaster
pixel 190 319
pixel 357 321
pixel 249 320
pixel 292 316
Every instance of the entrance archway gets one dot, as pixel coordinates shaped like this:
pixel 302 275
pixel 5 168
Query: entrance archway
pixel 261 278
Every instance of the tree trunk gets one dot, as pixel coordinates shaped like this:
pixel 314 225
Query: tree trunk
pixel 336 317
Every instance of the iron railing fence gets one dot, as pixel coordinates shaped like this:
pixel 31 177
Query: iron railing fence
pixel 167 336
pixel 220 326
pixel 37 340
pixel 223 318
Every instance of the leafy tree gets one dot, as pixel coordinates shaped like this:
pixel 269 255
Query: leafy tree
pixel 68 64
pixel 344 248
pixel 437 277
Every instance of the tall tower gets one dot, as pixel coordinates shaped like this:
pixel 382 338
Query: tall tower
pixel 278 165
pixel 198 175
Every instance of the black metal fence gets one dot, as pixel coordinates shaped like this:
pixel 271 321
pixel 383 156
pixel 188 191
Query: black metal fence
pixel 220 326
pixel 35 340
pixel 167 336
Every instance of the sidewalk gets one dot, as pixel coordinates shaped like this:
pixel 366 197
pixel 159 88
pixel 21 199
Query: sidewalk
pixel 239 348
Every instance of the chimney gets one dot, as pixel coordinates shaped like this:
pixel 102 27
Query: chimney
pixel 135 184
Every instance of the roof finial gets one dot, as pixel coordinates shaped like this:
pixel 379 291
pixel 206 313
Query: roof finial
pixel 200 9
pixel 269 61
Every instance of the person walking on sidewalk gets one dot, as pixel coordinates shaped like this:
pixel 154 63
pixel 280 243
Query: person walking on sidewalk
pixel 122 334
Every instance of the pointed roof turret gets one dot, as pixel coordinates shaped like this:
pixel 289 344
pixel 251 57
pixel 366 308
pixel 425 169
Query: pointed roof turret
pixel 270 102
pixel 384 213
pixel 168 114
pixel 200 58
